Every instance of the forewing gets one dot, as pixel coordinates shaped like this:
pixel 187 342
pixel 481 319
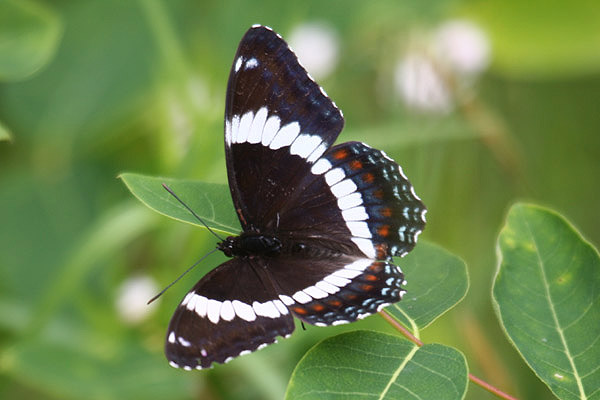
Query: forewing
pixel 278 122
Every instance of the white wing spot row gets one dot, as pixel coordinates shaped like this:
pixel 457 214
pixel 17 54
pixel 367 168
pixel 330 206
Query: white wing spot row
pixel 261 128
pixel 227 310
pixel 350 203
pixel 330 284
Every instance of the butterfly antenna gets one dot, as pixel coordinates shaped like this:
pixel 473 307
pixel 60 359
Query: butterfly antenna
pixel 180 276
pixel 168 189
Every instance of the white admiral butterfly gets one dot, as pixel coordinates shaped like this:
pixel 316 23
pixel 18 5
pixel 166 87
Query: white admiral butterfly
pixel 320 222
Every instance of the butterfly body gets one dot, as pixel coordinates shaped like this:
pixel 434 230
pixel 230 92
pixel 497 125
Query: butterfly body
pixel 250 244
pixel 321 223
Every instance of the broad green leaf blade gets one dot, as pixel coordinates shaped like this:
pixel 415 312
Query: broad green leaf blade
pixel 212 202
pixel 436 282
pixel 29 33
pixel 547 295
pixel 372 365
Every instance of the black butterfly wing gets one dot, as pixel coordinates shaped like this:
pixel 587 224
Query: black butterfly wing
pixel 335 290
pixel 278 122
pixel 231 311
pixel 355 200
pixel 353 212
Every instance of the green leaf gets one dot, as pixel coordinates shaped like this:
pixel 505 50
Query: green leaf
pixel 212 202
pixel 436 282
pixel 373 365
pixel 29 33
pixel 547 295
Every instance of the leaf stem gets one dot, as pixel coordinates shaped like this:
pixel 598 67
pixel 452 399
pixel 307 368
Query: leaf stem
pixel 406 333
pixel 490 388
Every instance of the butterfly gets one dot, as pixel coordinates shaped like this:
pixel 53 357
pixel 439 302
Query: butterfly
pixel 320 223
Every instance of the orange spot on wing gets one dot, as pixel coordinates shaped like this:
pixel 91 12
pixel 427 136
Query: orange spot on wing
pixel 335 303
pixel 386 212
pixel 368 177
pixel 318 307
pixel 371 278
pixel 367 287
pixel 355 165
pixel 340 154
pixel 351 296
pixel 378 193
pixel 381 250
pixel 299 310
pixel 384 230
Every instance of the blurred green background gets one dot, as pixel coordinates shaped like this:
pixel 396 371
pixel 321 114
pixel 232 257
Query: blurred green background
pixel 89 89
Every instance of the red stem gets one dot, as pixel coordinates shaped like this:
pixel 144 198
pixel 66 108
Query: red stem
pixel 405 332
pixel 490 388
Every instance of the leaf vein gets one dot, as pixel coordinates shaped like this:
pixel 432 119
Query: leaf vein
pixel 397 372
pixel 558 328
